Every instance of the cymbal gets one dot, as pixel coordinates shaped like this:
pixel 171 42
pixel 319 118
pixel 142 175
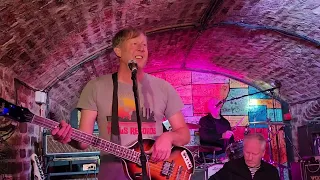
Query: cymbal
pixel 193 126
pixel 267 123
pixel 204 148
pixel 209 148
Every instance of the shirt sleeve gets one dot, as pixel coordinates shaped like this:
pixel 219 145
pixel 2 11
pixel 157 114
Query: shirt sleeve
pixel 88 97
pixel 174 101
pixel 207 135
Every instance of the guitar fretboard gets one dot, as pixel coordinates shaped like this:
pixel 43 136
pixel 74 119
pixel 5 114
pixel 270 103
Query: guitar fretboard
pixel 92 140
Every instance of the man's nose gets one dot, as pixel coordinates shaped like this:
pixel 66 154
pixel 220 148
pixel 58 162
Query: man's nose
pixel 140 47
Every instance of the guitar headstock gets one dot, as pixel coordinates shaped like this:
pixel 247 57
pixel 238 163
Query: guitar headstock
pixel 14 112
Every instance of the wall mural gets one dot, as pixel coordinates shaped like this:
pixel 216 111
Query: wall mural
pixel 196 88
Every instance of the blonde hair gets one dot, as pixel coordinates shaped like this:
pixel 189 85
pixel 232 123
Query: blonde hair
pixel 125 34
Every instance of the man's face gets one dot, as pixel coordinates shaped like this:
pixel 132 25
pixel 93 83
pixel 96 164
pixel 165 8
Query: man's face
pixel 212 106
pixel 133 49
pixel 253 152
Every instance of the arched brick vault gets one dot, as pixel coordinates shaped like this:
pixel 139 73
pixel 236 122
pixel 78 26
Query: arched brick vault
pixel 60 45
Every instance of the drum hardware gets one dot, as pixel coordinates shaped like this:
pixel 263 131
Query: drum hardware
pixel 209 149
pixel 235 150
pixel 196 150
pixel 193 126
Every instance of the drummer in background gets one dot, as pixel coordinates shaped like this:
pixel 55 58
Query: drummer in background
pixel 215 130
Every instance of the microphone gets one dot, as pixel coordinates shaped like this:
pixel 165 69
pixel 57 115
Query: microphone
pixel 220 102
pixel 246 131
pixel 132 64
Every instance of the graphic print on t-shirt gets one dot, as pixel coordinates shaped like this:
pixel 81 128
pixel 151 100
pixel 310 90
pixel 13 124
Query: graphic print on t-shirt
pixel 128 118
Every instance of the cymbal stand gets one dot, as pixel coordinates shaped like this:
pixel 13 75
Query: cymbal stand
pixel 269 142
pixel 276 129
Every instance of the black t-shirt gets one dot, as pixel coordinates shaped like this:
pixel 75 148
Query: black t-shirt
pixel 238 170
pixel 211 130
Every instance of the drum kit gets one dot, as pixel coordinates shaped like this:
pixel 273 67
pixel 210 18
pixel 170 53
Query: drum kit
pixel 233 150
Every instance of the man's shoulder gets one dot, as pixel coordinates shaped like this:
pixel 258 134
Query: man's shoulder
pixel 156 79
pixel 100 79
pixel 205 117
pixel 268 166
pixel 235 163
pixel 224 119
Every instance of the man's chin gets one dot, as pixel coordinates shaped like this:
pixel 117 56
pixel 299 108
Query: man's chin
pixel 250 164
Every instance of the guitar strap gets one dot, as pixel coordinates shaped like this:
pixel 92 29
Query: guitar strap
pixel 115 134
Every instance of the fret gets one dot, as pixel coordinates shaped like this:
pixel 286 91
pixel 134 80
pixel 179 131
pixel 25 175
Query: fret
pixel 96 141
pixel 132 155
pixel 118 151
pixel 107 146
pixel 127 152
pixel 104 145
pixel 111 149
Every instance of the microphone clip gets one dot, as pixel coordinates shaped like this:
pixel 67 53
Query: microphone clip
pixel 133 66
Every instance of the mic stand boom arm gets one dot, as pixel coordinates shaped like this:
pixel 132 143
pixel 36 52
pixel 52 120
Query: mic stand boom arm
pixel 225 100
pixel 143 157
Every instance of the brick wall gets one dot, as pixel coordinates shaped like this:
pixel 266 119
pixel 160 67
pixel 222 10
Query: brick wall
pixel 19 138
pixel 302 114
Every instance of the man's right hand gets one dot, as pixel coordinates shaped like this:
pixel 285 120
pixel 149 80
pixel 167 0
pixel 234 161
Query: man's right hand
pixel 227 135
pixel 62 133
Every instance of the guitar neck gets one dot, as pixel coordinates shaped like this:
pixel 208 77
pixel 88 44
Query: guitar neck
pixel 92 140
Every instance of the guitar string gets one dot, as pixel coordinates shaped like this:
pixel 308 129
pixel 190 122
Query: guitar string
pixel 81 138
pixel 53 124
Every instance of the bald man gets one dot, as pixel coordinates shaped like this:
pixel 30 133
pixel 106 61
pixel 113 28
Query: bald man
pixel 250 166
pixel 215 130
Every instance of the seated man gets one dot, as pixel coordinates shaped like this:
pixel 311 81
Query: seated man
pixel 215 130
pixel 251 166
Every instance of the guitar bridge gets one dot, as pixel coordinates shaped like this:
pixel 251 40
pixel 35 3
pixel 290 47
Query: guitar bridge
pixel 167 168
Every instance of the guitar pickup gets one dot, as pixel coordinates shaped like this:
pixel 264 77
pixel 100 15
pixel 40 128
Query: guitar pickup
pixel 167 168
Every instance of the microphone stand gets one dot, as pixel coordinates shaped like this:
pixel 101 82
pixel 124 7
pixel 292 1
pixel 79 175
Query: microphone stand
pixel 231 99
pixel 143 157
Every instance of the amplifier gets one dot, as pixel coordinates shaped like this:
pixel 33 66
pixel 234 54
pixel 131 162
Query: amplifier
pixel 52 147
pixel 200 174
pixel 305 171
pixel 306 139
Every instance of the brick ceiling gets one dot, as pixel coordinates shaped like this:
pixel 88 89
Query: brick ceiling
pixel 59 45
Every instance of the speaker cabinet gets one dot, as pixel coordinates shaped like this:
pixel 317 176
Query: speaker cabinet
pixel 306 137
pixel 52 147
pixel 305 171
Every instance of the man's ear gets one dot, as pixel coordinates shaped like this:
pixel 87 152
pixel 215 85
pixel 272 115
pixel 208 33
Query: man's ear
pixel 117 51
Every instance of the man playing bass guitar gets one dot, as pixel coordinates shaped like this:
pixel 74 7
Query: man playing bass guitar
pixel 158 99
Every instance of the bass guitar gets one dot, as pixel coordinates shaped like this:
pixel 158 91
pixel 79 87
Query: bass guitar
pixel 179 166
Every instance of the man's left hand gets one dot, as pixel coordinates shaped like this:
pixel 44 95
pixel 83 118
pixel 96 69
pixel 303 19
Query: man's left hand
pixel 161 149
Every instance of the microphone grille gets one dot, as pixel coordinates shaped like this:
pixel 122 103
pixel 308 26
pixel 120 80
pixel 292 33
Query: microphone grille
pixel 132 61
